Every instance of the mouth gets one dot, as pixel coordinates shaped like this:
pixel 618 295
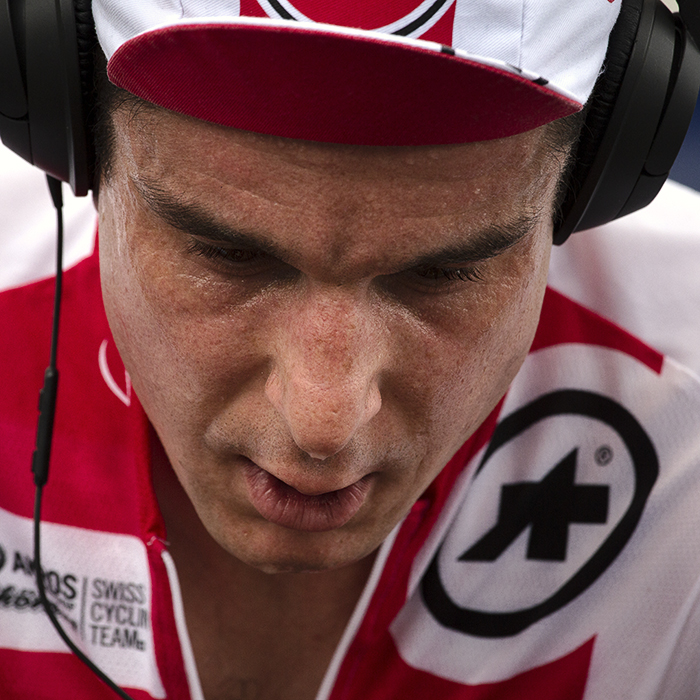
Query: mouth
pixel 282 504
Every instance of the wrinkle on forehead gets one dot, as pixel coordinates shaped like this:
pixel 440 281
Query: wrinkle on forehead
pixel 154 128
pixel 337 193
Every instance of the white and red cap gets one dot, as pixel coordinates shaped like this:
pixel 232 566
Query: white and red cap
pixel 373 72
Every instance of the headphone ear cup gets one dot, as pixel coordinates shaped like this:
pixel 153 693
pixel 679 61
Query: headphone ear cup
pixel 53 43
pixel 637 116
pixel 60 40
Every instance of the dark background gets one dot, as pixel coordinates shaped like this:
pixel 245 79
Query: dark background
pixel 686 169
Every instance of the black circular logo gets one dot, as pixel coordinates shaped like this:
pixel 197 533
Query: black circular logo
pixel 645 464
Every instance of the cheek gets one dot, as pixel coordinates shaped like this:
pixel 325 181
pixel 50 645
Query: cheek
pixel 170 327
pixel 473 366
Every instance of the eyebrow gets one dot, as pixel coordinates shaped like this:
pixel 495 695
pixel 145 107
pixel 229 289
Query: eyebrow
pixel 195 220
pixel 488 243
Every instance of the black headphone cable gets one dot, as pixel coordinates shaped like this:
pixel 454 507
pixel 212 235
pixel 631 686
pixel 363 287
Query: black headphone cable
pixel 44 433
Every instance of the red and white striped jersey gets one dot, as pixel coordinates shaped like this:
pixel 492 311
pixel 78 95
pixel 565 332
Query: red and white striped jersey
pixel 555 557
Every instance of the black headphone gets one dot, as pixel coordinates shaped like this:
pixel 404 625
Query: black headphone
pixel 637 116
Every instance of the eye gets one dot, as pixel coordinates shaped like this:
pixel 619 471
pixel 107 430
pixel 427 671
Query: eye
pixel 232 256
pixel 240 265
pixel 249 265
pixel 468 273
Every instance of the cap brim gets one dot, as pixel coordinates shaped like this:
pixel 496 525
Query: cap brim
pixel 328 86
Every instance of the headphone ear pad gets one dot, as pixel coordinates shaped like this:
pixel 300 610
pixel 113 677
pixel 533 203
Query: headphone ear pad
pixel 601 104
pixel 607 88
pixel 87 45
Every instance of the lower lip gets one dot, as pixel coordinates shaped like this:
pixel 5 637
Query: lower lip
pixel 283 505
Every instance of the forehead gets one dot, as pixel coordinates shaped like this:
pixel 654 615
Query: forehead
pixel 159 132
pixel 272 184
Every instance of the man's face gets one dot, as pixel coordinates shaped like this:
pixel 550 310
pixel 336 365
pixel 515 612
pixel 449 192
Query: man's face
pixel 314 330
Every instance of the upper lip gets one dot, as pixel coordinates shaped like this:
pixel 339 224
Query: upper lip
pixel 324 483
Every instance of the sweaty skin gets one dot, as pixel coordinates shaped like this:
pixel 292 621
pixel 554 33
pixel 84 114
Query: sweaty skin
pixel 313 330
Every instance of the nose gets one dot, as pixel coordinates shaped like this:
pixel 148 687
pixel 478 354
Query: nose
pixel 324 377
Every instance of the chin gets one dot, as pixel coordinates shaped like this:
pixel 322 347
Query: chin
pixel 295 552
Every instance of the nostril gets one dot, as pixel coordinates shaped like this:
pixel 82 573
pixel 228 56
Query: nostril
pixel 273 390
pixel 321 436
pixel 319 456
pixel 373 403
